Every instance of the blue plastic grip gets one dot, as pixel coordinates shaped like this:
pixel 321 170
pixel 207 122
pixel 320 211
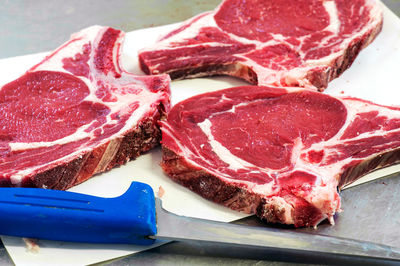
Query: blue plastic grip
pixel 68 216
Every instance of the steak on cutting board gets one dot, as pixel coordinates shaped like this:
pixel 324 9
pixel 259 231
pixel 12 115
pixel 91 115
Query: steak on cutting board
pixel 78 113
pixel 281 155
pixel 294 43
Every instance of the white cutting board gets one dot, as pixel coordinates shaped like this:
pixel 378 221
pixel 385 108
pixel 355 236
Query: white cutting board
pixel 373 76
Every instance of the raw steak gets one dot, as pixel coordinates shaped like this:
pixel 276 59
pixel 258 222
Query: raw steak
pixel 78 113
pixel 303 43
pixel 281 155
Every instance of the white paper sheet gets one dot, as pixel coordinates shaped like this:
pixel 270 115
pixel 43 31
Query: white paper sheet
pixel 373 76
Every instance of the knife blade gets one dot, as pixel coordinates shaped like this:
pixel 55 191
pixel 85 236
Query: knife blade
pixel 136 217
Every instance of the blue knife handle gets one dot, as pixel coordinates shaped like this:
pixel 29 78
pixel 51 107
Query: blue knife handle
pixel 68 216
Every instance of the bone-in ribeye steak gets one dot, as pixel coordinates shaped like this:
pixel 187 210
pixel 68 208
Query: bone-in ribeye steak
pixel 78 113
pixel 278 154
pixel 304 43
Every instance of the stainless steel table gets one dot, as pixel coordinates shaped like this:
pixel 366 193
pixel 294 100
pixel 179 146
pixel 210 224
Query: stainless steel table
pixel 37 26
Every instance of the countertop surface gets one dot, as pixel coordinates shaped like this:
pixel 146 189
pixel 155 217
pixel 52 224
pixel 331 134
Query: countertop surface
pixel 38 26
